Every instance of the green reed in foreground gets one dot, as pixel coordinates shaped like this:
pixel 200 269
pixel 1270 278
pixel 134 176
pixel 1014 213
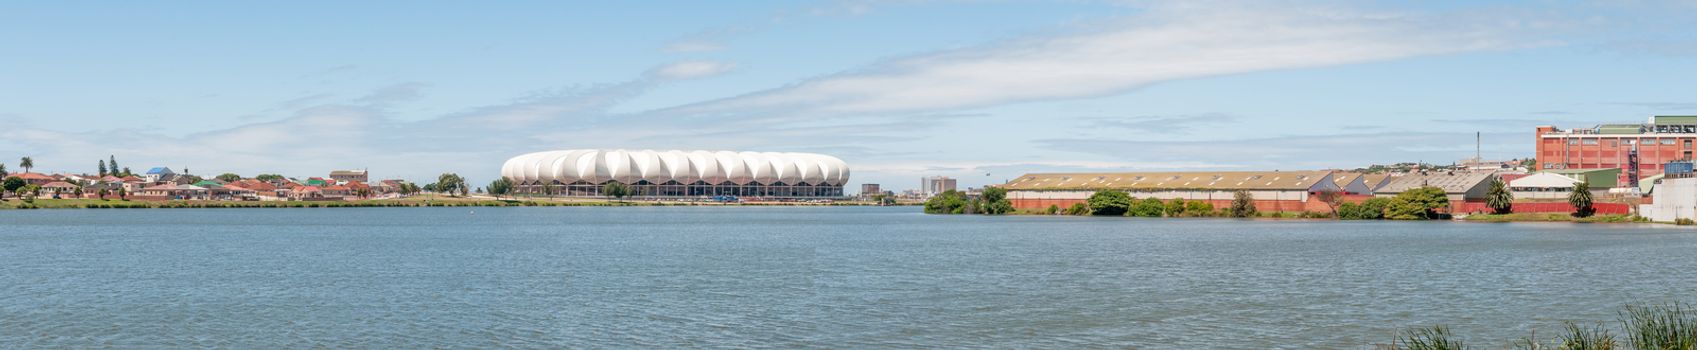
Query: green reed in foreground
pixel 1661 327
pixel 1428 338
pixel 1671 326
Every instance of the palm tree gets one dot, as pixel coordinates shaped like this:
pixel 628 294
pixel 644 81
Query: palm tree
pixel 26 163
pixel 1581 199
pixel 1499 198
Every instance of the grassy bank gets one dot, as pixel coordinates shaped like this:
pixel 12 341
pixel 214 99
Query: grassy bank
pixel 14 203
pixel 1554 217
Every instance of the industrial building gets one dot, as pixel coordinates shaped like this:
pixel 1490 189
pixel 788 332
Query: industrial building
pixel 1459 186
pixel 676 173
pixel 1272 190
pixel 1639 149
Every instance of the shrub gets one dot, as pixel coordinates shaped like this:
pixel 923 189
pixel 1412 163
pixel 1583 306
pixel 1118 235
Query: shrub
pixel 1198 208
pixel 1054 209
pixel 1109 202
pixel 948 202
pixel 1175 208
pixel 1078 209
pixel 1148 207
pixel 1684 222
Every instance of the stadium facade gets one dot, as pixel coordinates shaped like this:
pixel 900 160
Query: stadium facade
pixel 678 173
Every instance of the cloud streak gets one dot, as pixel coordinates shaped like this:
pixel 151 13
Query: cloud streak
pixel 1166 43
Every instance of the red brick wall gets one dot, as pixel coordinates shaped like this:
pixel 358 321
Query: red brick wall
pixel 1260 205
pixel 1544 207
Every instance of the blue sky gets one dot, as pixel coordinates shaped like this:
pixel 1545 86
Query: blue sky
pixel 980 90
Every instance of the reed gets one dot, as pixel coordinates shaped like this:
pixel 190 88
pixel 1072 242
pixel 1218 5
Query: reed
pixel 1661 327
pixel 1428 338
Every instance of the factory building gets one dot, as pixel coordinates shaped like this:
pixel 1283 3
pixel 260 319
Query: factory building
pixel 1272 190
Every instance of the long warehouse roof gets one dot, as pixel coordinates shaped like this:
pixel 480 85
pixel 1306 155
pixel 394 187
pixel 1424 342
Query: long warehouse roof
pixel 1217 180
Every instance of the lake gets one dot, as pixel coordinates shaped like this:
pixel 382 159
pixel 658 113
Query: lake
pixel 801 277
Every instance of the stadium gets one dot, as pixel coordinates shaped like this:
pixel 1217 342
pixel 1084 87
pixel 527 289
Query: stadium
pixel 678 174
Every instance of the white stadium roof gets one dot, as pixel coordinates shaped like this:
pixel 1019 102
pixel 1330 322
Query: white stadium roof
pixel 686 167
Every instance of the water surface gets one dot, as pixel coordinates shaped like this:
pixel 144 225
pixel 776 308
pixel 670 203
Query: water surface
pixel 815 277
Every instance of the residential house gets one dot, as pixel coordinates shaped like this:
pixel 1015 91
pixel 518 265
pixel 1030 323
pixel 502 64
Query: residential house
pixel 345 176
pixel 159 174
pixel 35 178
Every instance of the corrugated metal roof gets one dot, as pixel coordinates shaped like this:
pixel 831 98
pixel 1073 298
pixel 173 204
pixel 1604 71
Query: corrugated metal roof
pixel 1226 180
pixel 1450 182
pixel 1343 179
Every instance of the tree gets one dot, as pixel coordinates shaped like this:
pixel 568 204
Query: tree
pixel 26 163
pixel 1174 208
pixel 102 167
pixel 548 189
pixel 103 192
pixel 1580 198
pixel 112 163
pixel 1148 207
pixel 1243 204
pixel 996 201
pixel 500 187
pixel 229 177
pixel 268 177
pixel 1109 203
pixel 127 172
pixel 29 192
pixel 1331 197
pixel 1417 204
pixel 449 182
pixel 948 202
pixel 3 173
pixel 615 190
pixel 1371 209
pixel 11 184
pixel 1499 198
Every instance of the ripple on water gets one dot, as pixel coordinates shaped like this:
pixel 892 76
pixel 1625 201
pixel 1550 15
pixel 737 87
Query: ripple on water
pixel 797 278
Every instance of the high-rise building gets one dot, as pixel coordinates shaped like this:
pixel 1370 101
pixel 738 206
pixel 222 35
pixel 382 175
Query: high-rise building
pixel 1662 139
pixel 870 190
pixel 932 185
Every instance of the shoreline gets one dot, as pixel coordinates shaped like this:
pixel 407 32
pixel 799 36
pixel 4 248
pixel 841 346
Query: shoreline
pixel 19 204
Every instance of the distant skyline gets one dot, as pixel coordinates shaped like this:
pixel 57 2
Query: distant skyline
pixel 977 90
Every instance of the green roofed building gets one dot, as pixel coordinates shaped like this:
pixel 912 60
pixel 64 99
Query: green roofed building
pixel 1596 178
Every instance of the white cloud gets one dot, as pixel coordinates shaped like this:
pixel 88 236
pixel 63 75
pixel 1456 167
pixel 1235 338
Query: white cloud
pixel 693 46
pixel 692 69
pixel 1165 43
